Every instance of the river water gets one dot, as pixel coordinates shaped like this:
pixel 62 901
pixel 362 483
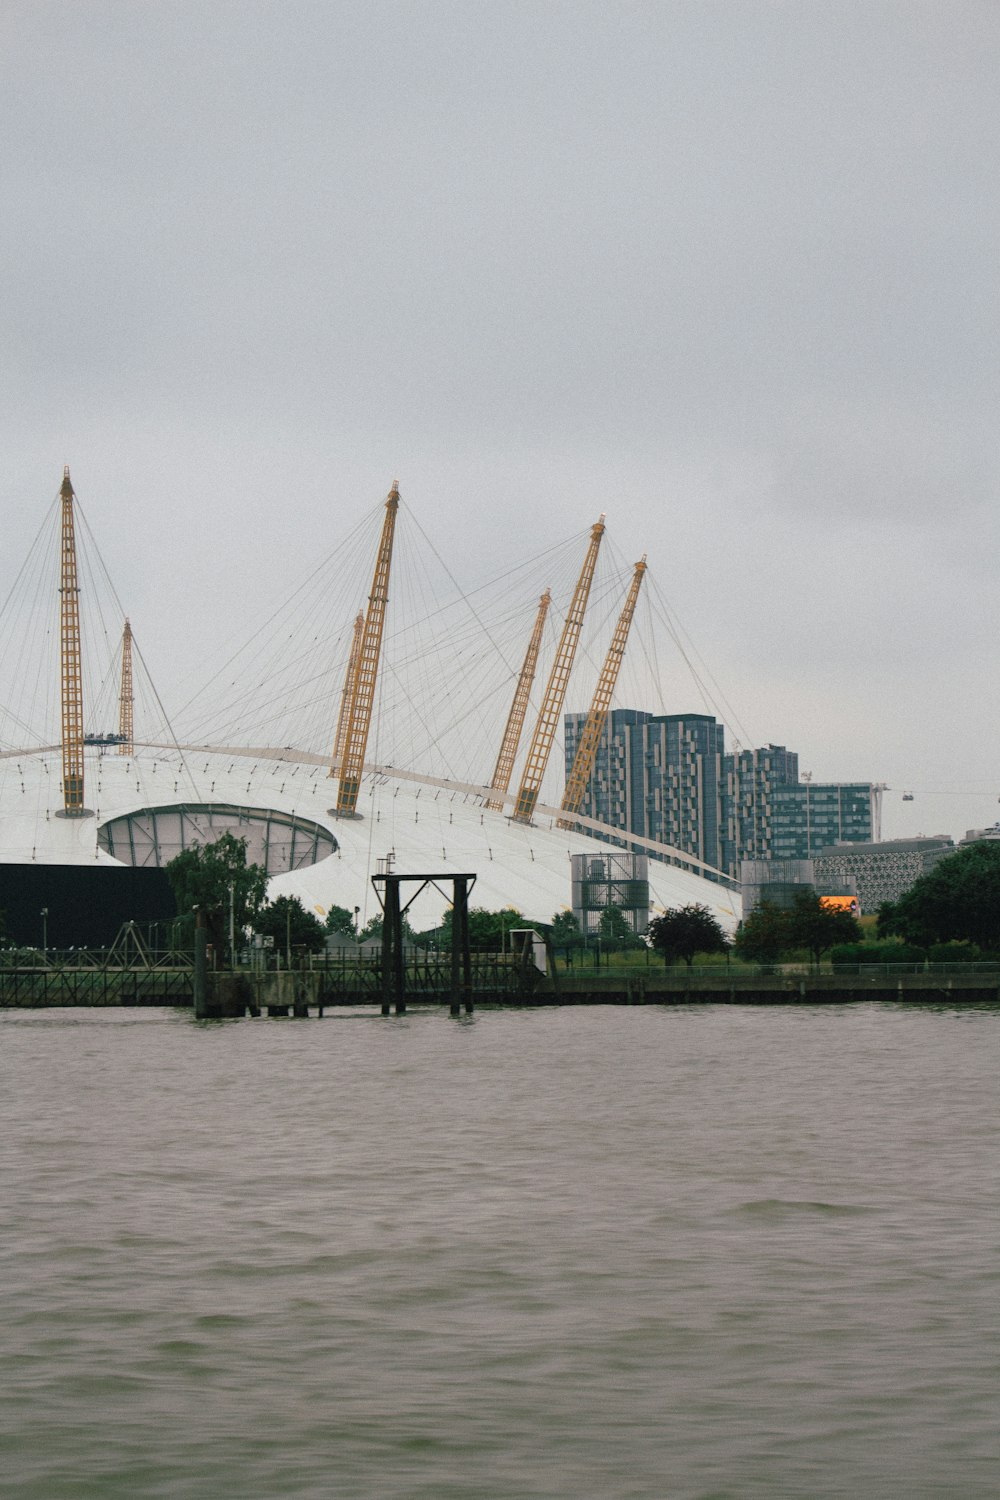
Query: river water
pixel 630 1253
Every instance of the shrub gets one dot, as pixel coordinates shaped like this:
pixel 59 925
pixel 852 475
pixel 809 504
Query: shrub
pixel 954 953
pixel 847 954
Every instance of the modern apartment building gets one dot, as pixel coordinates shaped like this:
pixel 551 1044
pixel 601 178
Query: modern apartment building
pixel 668 777
pixel 813 815
pixel 658 775
pixel 751 777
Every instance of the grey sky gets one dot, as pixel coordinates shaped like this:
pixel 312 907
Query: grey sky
pixel 727 271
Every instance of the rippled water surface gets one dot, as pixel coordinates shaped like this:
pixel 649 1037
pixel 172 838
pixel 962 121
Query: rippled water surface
pixel 647 1253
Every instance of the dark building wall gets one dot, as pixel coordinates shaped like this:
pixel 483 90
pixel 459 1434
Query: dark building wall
pixel 86 904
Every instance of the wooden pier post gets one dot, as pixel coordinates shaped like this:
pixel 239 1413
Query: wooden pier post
pixel 461 956
pixel 200 965
pixel 392 949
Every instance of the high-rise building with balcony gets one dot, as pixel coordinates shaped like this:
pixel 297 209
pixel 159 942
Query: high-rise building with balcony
pixel 668 777
pixel 751 777
pixel 658 775
pixel 812 815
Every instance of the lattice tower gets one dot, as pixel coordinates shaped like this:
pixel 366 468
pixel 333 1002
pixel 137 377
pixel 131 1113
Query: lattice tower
pixel 593 728
pixel 363 688
pixel 71 665
pixel 518 710
pixel 125 700
pixel 555 692
pixel 345 697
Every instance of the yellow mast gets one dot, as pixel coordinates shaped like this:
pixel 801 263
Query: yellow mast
pixel 518 710
pixel 345 697
pixel 125 745
pixel 590 739
pixel 548 719
pixel 71 666
pixel 363 687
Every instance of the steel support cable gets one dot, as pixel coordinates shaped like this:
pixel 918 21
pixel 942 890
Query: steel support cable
pixel 91 600
pixel 137 653
pixel 655 599
pixel 292 680
pixel 642 641
pixel 320 568
pixel 512 619
pixel 512 669
pixel 609 596
pixel 469 645
pixel 412 594
pixel 436 734
pixel 34 649
pixel 423 677
pixel 446 679
pixel 648 640
pixel 283 696
pixel 47 521
pixel 720 704
pixel 280 676
pixel 36 611
pixel 246 695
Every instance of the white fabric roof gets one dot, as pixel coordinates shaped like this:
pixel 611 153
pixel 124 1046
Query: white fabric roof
pixel 429 827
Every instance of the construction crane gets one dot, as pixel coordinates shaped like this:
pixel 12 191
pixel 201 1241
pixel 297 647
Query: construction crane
pixel 70 659
pixel 518 710
pixel 125 743
pixel 345 698
pixel 359 717
pixel 555 692
pixel 590 739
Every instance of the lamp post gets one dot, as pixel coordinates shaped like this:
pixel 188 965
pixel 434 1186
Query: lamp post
pixel 45 929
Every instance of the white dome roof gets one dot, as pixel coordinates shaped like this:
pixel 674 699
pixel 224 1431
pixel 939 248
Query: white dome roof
pixel 429 826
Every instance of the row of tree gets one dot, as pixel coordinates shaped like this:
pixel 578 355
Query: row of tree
pixel 957 901
pixel 951 912
pixel 231 892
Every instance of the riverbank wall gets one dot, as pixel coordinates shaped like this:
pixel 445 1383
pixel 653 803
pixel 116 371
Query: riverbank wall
pixel 304 993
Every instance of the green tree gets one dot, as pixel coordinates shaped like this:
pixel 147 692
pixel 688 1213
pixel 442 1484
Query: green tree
pixel 565 930
pixel 371 932
pixel 287 917
pixel 487 929
pixel 762 936
pixel 957 901
pixel 685 931
pixel 817 927
pixel 885 919
pixel 214 877
pixel 340 919
pixel 614 926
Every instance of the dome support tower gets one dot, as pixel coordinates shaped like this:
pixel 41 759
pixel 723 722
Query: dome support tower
pixel 363 686
pixel 518 710
pixel 555 693
pixel 590 739
pixel 70 660
pixel 345 699
pixel 125 699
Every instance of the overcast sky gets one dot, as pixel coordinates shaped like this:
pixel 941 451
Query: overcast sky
pixel 726 271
